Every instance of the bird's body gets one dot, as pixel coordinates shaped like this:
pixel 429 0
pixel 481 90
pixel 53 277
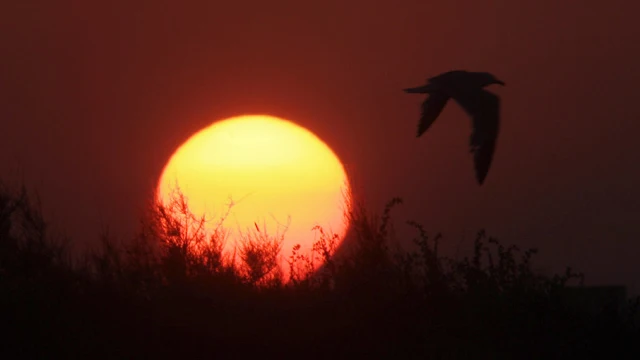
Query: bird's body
pixel 454 82
pixel 467 89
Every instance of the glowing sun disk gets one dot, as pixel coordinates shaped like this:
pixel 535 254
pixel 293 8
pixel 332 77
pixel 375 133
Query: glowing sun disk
pixel 272 169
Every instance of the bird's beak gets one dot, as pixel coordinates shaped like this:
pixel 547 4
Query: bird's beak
pixel 418 90
pixel 500 82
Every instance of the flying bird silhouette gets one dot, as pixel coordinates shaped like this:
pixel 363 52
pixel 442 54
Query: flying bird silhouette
pixel 467 89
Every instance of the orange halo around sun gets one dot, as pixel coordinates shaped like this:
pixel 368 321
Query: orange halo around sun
pixel 275 173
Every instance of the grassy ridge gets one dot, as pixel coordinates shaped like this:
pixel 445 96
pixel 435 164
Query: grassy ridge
pixel 171 291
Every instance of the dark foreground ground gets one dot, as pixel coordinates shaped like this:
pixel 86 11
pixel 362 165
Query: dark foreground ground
pixel 168 294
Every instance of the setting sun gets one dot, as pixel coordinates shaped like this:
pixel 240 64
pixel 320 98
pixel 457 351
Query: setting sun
pixel 273 172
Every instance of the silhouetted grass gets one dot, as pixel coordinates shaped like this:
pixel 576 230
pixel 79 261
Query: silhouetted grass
pixel 172 291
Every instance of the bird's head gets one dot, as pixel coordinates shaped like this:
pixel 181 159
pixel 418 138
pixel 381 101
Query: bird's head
pixel 489 79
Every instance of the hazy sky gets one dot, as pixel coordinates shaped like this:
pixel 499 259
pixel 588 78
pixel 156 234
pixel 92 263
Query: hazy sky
pixel 95 98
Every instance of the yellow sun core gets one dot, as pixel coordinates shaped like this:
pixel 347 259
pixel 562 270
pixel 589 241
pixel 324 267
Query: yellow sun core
pixel 275 175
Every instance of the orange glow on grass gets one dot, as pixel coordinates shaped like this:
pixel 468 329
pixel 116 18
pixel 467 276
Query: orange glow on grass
pixel 273 171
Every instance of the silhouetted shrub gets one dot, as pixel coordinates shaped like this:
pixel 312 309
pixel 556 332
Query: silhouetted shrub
pixel 171 291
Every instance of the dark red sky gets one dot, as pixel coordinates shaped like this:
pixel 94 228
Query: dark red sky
pixel 94 99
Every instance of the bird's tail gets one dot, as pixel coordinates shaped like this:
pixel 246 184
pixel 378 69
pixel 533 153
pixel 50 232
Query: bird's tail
pixel 419 90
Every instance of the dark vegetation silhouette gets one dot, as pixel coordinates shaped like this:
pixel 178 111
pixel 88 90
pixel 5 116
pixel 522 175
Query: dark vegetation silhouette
pixel 171 291
pixel 467 89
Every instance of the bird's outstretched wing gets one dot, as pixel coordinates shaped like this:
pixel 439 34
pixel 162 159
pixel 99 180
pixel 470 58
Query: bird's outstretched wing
pixel 431 108
pixel 484 109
